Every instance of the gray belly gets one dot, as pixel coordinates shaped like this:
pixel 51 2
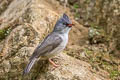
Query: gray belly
pixel 59 48
pixel 54 52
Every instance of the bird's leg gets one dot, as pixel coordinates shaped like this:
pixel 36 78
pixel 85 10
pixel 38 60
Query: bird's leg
pixel 55 65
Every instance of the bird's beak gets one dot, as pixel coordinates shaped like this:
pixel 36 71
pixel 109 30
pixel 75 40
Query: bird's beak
pixel 70 25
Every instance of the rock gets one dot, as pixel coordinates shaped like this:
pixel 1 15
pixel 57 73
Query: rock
pixel 30 21
pixel 69 69
pixel 6 65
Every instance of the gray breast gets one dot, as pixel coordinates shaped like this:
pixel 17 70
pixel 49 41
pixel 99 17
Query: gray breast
pixel 60 47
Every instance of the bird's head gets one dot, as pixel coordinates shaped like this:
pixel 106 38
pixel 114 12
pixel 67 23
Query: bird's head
pixel 63 25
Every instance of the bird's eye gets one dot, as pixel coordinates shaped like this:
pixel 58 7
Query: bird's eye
pixel 65 24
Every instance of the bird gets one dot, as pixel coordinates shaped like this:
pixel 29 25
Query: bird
pixel 53 44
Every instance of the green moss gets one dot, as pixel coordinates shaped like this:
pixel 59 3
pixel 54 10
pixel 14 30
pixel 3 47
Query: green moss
pixel 88 51
pixel 4 33
pixel 76 6
pixel 114 74
pixel 77 15
pixel 97 59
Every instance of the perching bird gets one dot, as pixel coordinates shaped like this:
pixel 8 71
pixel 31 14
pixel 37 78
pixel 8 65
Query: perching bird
pixel 53 44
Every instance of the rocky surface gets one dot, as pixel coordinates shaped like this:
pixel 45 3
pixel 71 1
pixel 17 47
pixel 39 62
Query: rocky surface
pixel 102 18
pixel 25 23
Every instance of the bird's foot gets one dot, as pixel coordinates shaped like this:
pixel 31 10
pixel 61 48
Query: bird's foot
pixel 55 65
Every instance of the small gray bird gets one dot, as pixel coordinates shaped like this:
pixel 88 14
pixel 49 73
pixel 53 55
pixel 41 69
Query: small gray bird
pixel 53 44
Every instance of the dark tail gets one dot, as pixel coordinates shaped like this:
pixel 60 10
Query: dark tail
pixel 29 66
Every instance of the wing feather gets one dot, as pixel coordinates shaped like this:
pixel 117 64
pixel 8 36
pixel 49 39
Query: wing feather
pixel 50 43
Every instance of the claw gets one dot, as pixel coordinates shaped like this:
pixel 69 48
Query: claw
pixel 55 65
